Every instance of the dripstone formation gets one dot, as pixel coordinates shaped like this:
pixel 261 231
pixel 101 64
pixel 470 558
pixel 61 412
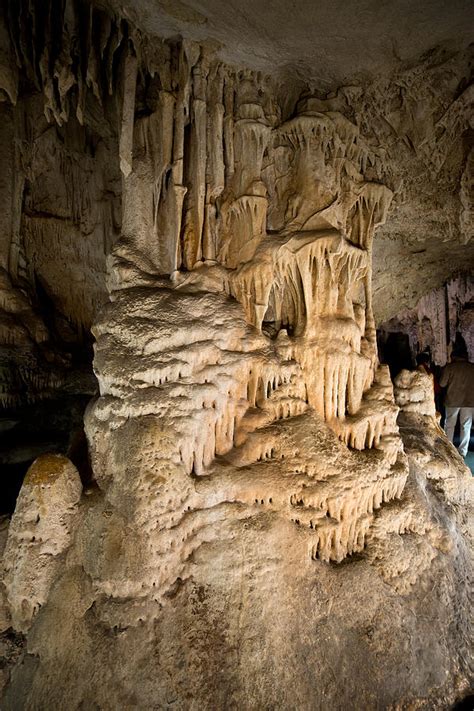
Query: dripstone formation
pixel 267 522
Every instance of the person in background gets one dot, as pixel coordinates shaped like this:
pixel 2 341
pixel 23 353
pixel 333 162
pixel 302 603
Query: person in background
pixel 458 378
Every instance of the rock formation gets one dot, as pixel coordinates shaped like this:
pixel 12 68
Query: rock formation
pixel 437 319
pixel 268 524
pixel 40 531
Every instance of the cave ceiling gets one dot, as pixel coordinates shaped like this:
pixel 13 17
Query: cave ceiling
pixel 328 43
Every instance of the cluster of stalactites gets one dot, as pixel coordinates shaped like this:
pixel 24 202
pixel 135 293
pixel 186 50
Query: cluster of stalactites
pixel 297 280
pixel 204 166
pixel 334 135
pixel 66 49
pixel 197 161
pixel 367 212
pixel 320 161
pixel 308 285
pixel 307 293
pixel 346 534
pixel 202 139
pixel 373 423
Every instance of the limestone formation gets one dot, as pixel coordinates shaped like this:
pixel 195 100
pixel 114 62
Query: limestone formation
pixel 266 521
pixel 414 392
pixel 439 316
pixel 39 534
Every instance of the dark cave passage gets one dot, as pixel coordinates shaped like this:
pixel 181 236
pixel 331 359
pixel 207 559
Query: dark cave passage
pixel 50 424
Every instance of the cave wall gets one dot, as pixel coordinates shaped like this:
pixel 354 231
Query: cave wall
pixel 421 116
pixel 71 215
pixel 61 189
pixel 61 186
pixel 268 524
pixel 438 319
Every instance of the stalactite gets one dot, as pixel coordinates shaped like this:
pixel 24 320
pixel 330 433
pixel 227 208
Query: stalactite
pixel 196 170
pixel 215 169
pixel 128 112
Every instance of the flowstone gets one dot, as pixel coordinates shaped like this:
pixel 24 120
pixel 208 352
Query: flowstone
pixel 267 525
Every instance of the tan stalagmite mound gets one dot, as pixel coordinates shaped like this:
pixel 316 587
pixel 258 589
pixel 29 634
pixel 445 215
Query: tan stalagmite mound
pixel 39 534
pixel 269 525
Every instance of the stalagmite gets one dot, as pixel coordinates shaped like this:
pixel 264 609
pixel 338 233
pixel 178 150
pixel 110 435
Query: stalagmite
pixel 40 533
